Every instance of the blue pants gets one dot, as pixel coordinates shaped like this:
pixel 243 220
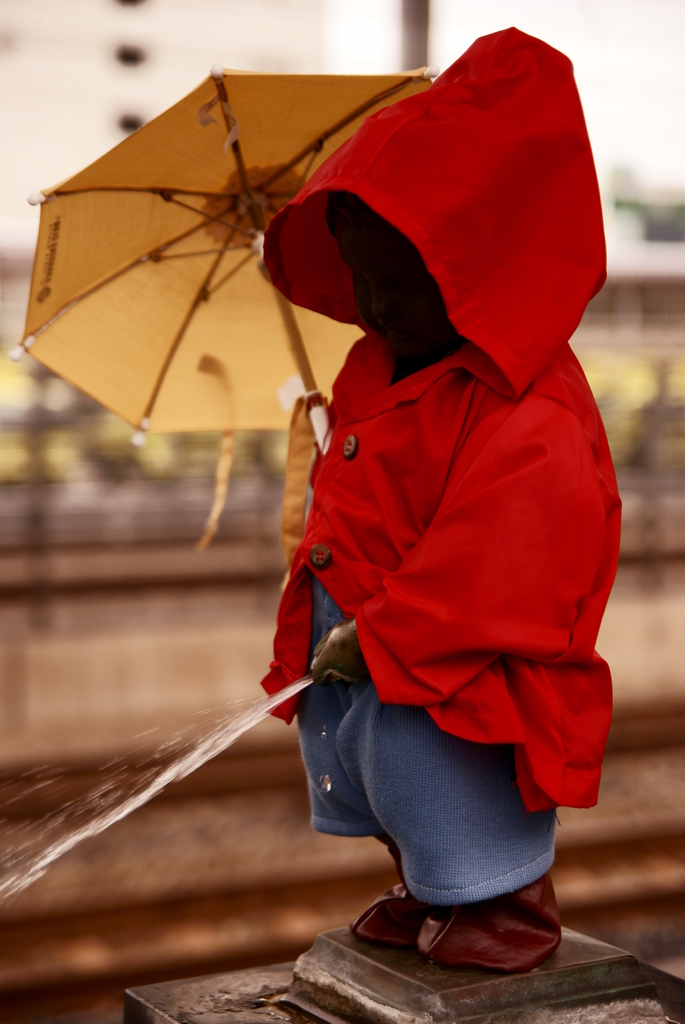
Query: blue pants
pixel 451 805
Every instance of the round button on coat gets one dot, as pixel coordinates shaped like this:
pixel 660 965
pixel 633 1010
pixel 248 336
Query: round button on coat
pixel 320 556
pixel 350 447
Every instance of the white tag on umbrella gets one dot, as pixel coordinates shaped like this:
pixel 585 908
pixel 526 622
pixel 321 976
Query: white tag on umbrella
pixel 233 126
pixel 232 136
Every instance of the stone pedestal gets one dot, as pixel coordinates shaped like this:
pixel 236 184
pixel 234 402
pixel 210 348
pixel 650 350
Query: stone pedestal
pixel 341 979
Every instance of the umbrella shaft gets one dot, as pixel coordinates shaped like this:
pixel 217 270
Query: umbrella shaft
pixel 296 343
pixel 255 209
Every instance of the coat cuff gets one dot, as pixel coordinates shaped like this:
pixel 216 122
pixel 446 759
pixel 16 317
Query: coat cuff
pixel 277 679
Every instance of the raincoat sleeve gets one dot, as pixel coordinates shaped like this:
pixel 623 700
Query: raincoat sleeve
pixel 498 578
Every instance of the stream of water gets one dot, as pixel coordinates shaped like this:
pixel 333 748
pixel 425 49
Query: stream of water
pixel 29 847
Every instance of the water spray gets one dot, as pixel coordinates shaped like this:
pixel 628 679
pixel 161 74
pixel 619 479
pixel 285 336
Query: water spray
pixel 29 849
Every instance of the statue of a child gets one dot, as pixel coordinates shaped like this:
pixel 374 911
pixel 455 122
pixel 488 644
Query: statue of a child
pixel 464 531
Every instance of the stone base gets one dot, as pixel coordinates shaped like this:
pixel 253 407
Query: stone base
pixel 585 980
pixel 239 997
pixel 342 980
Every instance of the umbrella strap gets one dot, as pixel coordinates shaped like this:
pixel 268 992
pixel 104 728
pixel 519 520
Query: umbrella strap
pixel 223 470
pixel 300 450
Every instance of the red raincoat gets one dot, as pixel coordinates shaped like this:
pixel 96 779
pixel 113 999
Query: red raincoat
pixel 475 534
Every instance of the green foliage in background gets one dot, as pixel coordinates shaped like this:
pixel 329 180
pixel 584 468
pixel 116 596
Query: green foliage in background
pixel 636 394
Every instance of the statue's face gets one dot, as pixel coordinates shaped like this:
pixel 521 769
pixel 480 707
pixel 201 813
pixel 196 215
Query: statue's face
pixel 395 295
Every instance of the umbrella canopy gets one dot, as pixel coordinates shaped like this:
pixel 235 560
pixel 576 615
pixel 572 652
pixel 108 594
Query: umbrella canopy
pixel 147 292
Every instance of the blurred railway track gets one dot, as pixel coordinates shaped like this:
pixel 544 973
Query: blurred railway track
pixel 222 871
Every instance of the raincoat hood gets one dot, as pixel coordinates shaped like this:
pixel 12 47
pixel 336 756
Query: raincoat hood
pixel 490 174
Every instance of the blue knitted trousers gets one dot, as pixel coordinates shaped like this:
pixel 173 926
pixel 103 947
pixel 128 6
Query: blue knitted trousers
pixel 451 805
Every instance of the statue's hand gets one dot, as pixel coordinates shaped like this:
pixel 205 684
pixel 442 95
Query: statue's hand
pixel 338 656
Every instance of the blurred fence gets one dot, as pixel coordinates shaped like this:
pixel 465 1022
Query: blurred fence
pixel 69 475
pixel 631 343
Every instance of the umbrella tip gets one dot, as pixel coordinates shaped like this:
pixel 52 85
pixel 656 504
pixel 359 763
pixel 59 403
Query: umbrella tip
pixel 140 436
pixel 17 352
pixel 35 199
pixel 432 71
pixel 217 71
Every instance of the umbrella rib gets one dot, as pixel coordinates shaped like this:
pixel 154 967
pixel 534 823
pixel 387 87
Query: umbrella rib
pixel 201 295
pixel 151 191
pixel 158 252
pixel 184 234
pixel 201 252
pixel 305 172
pixel 234 270
pixel 84 295
pixel 211 216
pixel 317 144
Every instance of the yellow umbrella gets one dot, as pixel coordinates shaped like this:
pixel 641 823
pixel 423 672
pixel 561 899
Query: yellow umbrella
pixel 146 290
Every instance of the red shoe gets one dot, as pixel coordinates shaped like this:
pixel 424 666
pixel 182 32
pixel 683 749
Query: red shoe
pixel 396 917
pixel 514 932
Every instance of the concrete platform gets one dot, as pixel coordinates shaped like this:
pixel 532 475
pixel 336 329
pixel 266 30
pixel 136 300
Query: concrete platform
pixel 341 979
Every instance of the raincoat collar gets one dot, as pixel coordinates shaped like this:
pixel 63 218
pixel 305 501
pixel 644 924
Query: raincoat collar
pixel 366 392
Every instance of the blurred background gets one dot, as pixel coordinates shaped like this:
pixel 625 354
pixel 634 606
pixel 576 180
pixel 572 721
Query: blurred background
pixel 114 630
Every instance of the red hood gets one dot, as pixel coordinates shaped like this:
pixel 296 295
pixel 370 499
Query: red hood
pixel 490 174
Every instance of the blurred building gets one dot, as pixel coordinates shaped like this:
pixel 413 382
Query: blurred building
pixel 78 76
